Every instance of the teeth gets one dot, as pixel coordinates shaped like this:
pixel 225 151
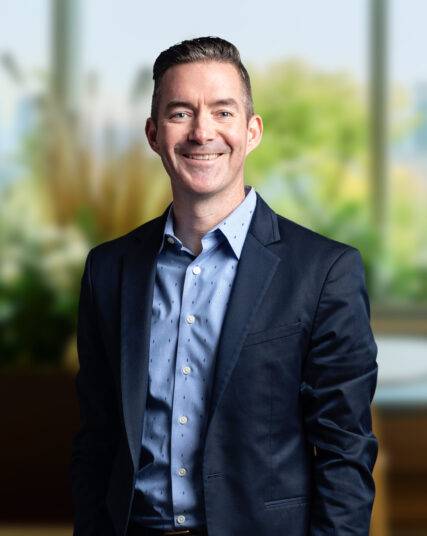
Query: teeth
pixel 203 156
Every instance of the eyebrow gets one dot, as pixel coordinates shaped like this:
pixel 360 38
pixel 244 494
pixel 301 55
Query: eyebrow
pixel 177 104
pixel 225 102
pixel 184 104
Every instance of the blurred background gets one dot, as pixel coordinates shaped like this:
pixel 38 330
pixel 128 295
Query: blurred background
pixel 342 89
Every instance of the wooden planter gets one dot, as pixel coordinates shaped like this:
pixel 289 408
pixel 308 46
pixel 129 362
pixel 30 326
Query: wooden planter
pixel 39 417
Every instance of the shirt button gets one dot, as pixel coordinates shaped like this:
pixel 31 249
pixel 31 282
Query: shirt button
pixel 182 471
pixel 170 240
pixel 183 419
pixel 186 370
pixel 180 519
pixel 196 270
pixel 191 319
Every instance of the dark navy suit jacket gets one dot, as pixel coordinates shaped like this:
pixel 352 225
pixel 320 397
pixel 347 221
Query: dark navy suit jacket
pixel 289 447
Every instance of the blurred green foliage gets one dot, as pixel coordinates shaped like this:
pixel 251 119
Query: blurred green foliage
pixel 40 274
pixel 312 167
pixel 312 163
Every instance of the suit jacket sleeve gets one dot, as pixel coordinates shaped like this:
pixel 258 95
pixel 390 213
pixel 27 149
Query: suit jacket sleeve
pixel 337 389
pixel 95 444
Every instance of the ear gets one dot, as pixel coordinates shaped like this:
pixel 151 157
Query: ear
pixel 151 133
pixel 255 129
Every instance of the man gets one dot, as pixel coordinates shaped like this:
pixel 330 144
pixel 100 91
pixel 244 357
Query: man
pixel 226 360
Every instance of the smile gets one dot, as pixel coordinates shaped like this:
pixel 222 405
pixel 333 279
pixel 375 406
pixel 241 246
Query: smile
pixel 203 156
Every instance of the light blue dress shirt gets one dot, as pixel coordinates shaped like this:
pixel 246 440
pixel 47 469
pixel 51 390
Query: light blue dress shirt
pixel 190 299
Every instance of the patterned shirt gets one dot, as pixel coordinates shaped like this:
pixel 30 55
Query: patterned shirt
pixel 190 300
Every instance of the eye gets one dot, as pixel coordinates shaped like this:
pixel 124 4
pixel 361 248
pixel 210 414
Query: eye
pixel 225 114
pixel 179 115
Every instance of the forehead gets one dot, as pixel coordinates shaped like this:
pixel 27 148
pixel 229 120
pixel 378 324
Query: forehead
pixel 211 79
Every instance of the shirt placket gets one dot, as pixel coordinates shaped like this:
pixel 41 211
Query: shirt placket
pixel 188 405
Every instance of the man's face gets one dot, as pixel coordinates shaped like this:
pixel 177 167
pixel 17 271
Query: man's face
pixel 203 134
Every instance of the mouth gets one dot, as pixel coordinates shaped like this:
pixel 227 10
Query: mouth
pixel 211 156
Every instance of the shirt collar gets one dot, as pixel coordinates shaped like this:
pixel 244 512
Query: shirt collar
pixel 234 227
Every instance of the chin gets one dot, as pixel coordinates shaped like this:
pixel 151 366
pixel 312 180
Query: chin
pixel 203 191
pixel 202 186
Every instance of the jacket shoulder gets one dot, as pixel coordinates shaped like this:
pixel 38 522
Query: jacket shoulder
pixel 287 237
pixel 309 246
pixel 299 232
pixel 115 248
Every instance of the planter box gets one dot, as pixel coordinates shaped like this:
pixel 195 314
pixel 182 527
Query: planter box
pixel 39 418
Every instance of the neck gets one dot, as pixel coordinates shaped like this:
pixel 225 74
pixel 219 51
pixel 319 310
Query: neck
pixel 194 216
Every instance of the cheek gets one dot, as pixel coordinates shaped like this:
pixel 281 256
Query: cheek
pixel 237 139
pixel 170 138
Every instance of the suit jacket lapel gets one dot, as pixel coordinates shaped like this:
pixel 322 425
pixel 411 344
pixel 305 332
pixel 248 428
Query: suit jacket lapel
pixel 138 277
pixel 255 271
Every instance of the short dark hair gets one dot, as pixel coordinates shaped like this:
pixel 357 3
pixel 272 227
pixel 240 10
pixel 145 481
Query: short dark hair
pixel 200 49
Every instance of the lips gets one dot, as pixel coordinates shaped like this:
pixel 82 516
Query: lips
pixel 210 156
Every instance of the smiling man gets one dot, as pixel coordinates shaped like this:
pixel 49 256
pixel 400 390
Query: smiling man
pixel 227 364
pixel 203 128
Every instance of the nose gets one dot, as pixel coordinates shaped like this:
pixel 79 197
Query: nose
pixel 202 129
